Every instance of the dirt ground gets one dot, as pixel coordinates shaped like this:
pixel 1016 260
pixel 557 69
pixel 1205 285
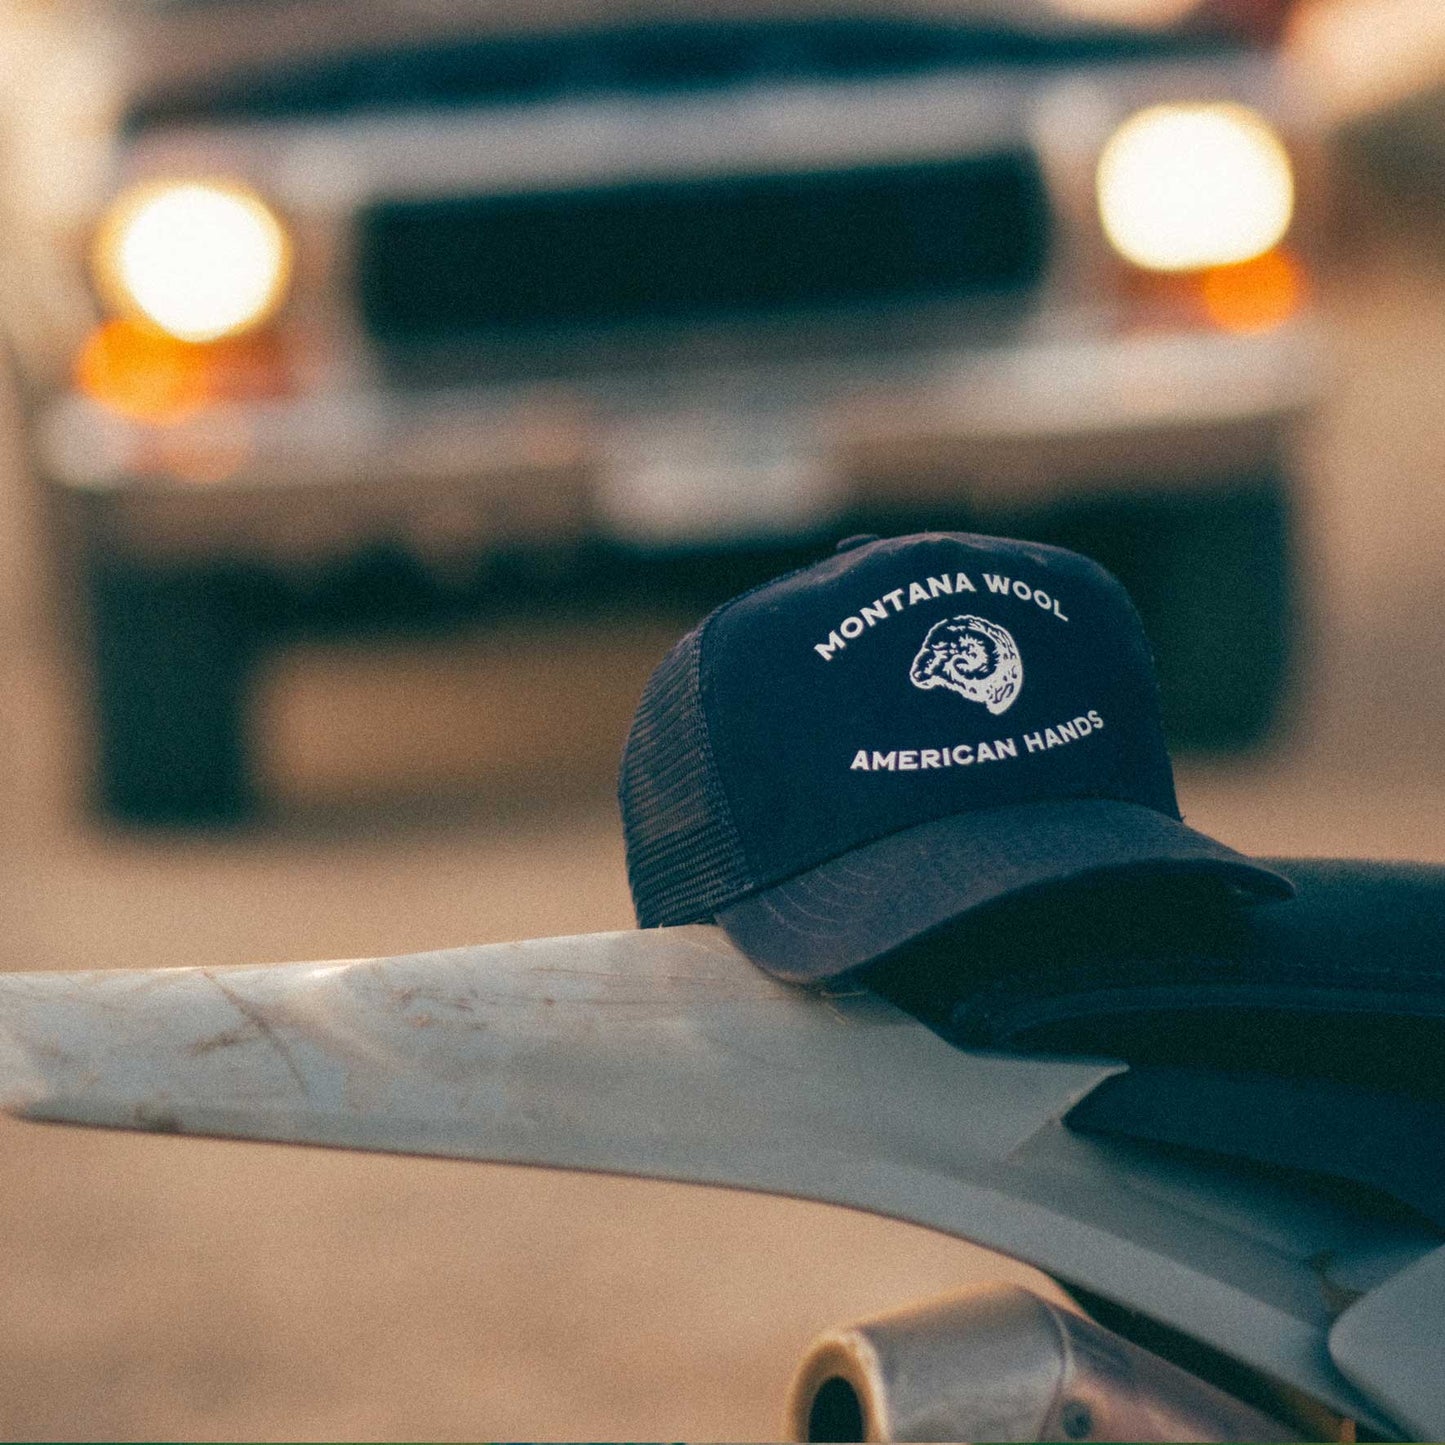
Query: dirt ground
pixel 164 1288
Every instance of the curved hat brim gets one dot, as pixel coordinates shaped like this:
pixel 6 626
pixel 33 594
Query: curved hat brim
pixel 855 909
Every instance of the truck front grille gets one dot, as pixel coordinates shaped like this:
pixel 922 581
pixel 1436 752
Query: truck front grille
pixel 720 248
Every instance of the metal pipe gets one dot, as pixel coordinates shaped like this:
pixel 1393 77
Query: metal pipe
pixel 1002 1364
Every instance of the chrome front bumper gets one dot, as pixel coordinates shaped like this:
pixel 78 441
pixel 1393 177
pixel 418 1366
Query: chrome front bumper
pixel 706 457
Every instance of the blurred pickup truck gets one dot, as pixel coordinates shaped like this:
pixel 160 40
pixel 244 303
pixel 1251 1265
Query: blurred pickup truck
pixel 386 314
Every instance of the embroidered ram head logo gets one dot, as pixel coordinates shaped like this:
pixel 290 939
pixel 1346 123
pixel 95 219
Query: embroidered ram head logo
pixel 973 657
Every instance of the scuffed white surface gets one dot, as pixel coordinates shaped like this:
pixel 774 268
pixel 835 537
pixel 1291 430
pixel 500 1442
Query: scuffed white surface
pixel 666 1054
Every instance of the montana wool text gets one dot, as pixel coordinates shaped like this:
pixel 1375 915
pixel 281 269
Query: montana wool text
pixel 945 585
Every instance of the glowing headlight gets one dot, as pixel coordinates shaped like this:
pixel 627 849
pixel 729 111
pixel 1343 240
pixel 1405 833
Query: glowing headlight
pixel 201 259
pixel 1187 186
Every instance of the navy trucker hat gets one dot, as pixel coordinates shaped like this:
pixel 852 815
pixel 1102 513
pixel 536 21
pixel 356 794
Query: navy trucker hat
pixel 858 753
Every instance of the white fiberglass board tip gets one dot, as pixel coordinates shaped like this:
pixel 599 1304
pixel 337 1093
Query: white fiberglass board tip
pixel 666 1054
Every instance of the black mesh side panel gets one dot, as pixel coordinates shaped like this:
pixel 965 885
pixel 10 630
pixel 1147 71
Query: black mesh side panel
pixel 684 856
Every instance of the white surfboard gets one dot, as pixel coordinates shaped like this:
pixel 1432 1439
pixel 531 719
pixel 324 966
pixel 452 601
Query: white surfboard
pixel 665 1054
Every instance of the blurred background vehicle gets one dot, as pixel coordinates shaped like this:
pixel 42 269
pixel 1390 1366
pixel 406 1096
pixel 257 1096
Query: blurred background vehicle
pixel 375 316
